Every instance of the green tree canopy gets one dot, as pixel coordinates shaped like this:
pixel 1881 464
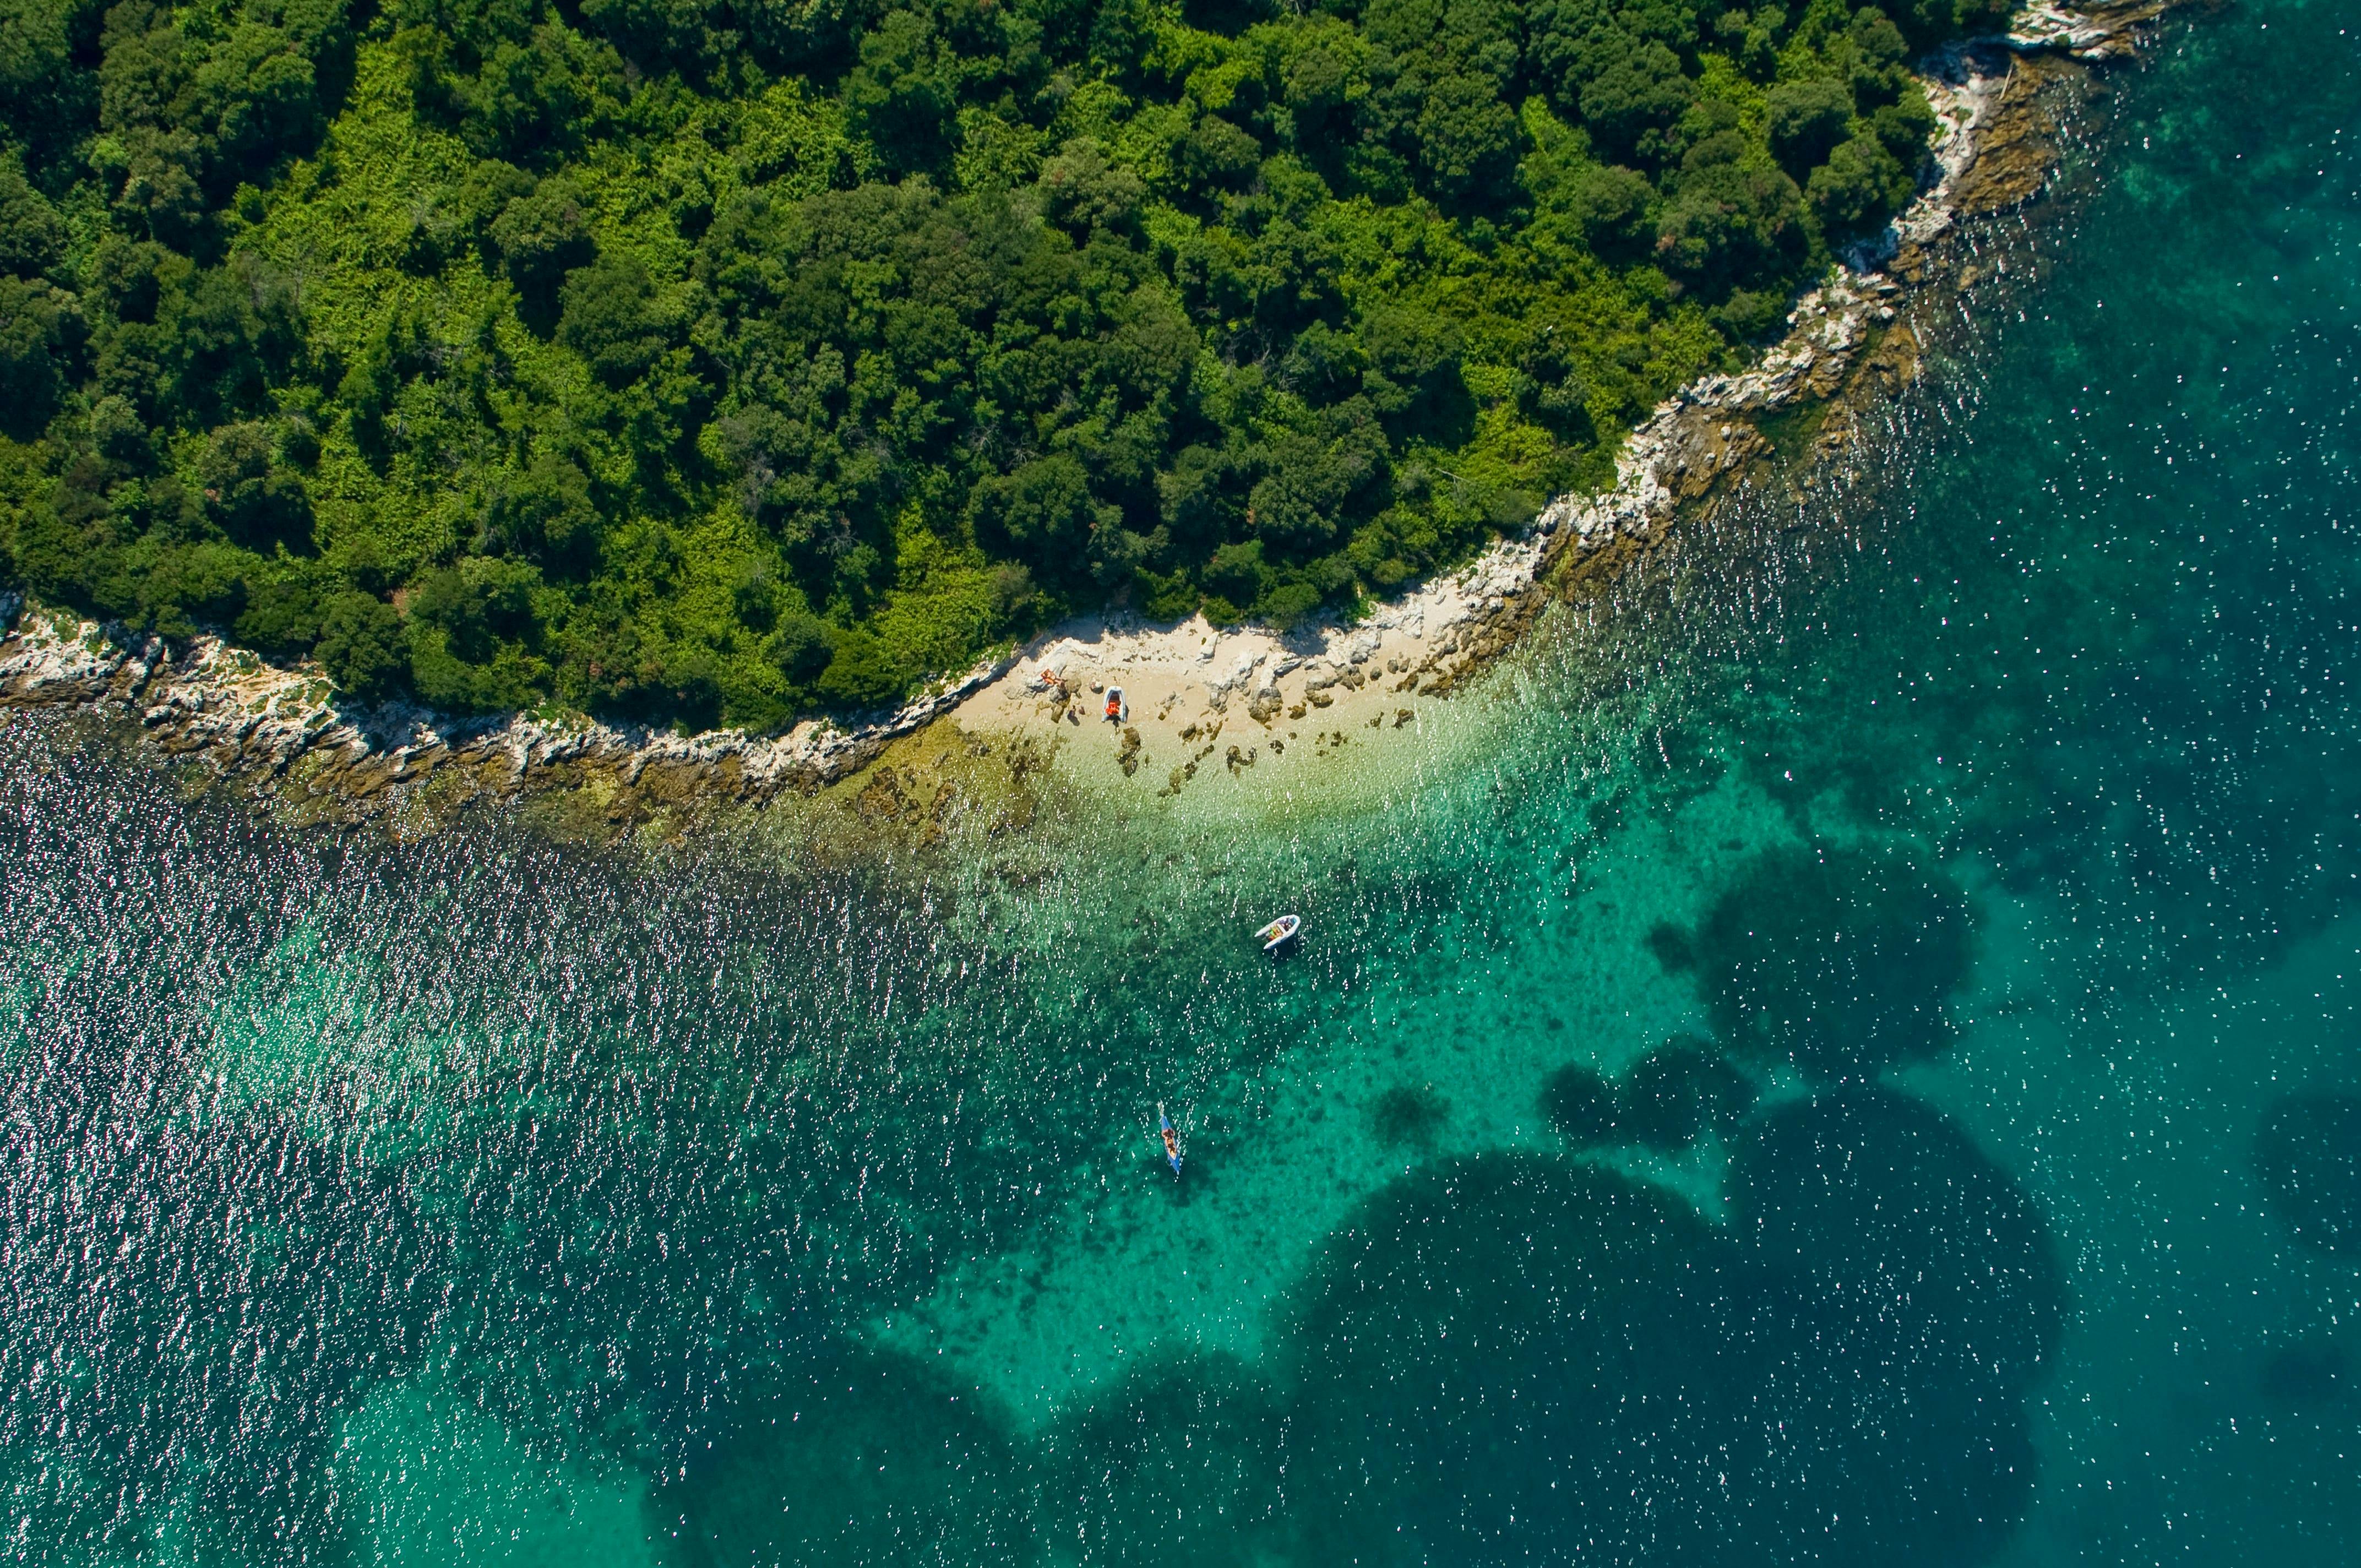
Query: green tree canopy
pixel 718 360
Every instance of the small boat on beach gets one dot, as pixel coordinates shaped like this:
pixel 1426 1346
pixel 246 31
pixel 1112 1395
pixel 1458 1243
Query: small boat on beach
pixel 1117 709
pixel 1171 1140
pixel 1278 931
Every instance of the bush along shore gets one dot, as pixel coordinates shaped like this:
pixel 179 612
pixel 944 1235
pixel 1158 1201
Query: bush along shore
pixel 287 724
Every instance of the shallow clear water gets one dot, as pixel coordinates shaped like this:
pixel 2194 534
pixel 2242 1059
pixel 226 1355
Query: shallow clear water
pixel 1983 839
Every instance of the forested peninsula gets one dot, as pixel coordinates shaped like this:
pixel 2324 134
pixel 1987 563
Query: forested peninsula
pixel 718 362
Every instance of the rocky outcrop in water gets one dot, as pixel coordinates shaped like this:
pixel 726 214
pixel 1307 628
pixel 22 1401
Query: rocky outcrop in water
pixel 287 728
pixel 2086 32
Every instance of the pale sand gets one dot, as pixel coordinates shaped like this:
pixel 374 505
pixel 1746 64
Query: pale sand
pixel 1247 701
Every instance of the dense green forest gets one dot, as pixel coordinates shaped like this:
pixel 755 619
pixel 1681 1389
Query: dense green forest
pixel 724 360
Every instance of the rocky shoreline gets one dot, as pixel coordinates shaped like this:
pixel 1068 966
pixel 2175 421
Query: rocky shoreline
pixel 284 733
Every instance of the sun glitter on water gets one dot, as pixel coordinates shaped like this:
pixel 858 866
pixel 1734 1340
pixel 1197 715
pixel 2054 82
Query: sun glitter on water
pixel 1856 1070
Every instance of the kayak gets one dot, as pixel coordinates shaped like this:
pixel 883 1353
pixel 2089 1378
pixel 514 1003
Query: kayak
pixel 1117 710
pixel 1278 931
pixel 1171 1140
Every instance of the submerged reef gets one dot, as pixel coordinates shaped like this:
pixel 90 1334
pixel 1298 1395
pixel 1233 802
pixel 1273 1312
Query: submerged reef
pixel 1836 960
pixel 860 1458
pixel 2306 1375
pixel 1581 1105
pixel 1407 1115
pixel 1678 1091
pixel 1493 1356
pixel 1508 1350
pixel 1883 1220
pixel 1502 1353
pixel 1188 1449
pixel 2308 1153
pixel 1665 1103
pixel 1881 1236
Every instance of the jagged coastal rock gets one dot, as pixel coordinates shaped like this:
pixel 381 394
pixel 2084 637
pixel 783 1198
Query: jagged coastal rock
pixel 2086 32
pixel 286 730
pixel 245 714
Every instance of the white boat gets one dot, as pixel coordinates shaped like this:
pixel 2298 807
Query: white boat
pixel 1278 931
pixel 1118 711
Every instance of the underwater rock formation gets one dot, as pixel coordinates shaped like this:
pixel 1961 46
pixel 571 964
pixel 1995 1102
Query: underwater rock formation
pixel 862 1457
pixel 1581 1105
pixel 1878 1214
pixel 1882 1237
pixel 2305 1375
pixel 2308 1153
pixel 1836 961
pixel 1195 1444
pixel 1665 1103
pixel 1501 1355
pixel 1679 1091
pixel 1407 1115
pixel 1506 1350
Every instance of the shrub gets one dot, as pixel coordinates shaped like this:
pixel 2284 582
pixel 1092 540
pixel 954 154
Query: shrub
pixel 361 647
pixel 611 314
pixel 862 674
pixel 1806 121
pixel 32 240
pixel 34 326
pixel 1859 186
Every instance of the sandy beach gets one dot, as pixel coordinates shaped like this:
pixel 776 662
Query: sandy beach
pixel 1195 695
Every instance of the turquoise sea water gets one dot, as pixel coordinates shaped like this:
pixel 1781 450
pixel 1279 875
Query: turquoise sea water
pixel 1848 1056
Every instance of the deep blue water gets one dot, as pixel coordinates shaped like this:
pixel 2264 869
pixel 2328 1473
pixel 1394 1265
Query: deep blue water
pixel 1846 1055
